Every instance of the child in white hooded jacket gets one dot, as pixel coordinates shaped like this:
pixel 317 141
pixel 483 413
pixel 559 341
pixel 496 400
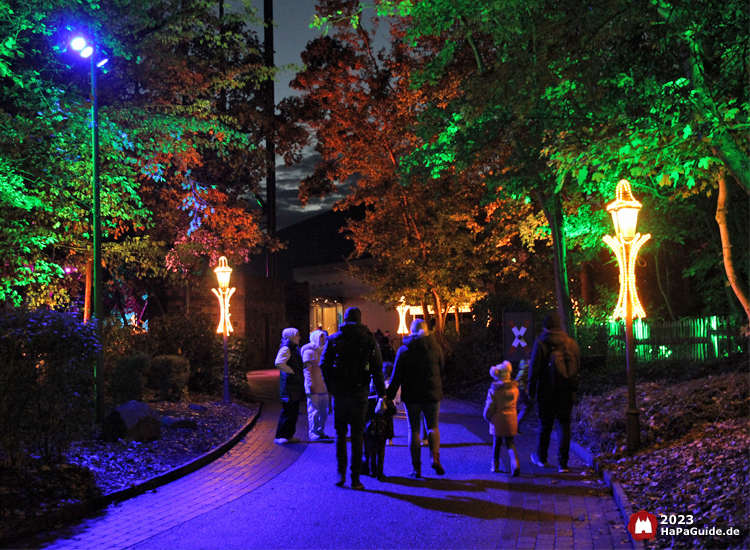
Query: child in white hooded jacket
pixel 315 387
pixel 500 413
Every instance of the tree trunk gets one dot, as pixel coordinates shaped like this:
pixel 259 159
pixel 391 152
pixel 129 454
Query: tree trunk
pixel 440 316
pixel 726 247
pixel 89 285
pixel 457 321
pixel 661 289
pixel 588 292
pixel 552 208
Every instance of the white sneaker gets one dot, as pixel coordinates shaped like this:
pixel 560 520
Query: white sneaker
pixel 281 441
pixel 313 437
pixel 495 468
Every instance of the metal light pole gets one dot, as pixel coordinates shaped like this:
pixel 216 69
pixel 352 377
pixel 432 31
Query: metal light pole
pixel 87 50
pixel 626 246
pixel 223 273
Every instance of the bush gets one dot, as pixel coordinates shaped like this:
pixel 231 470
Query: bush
pixel 127 379
pixel 46 376
pixel 195 339
pixel 167 377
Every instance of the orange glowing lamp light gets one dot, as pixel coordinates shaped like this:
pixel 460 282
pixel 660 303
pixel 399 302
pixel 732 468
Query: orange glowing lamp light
pixel 626 246
pixel 223 272
pixel 402 309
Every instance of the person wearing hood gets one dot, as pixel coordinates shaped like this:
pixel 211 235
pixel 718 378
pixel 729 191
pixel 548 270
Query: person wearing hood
pixel 500 412
pixel 351 361
pixel 291 385
pixel 554 400
pixel 417 372
pixel 315 387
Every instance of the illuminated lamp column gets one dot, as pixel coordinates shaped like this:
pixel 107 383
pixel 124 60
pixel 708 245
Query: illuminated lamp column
pixel 402 309
pixel 626 245
pixel 224 293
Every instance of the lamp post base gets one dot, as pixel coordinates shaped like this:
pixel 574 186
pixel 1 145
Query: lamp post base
pixel 633 430
pixel 226 370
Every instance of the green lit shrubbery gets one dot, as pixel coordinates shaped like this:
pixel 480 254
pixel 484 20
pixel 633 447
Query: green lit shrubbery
pixel 47 381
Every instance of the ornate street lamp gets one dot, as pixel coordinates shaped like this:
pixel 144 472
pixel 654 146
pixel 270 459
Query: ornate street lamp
pixel 626 245
pixel 224 293
pixel 402 308
pixel 88 50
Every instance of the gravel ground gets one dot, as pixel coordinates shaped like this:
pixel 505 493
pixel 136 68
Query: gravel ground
pixel 97 467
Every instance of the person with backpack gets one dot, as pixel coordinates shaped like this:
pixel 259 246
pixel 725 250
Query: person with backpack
pixel 417 372
pixel 553 382
pixel 350 362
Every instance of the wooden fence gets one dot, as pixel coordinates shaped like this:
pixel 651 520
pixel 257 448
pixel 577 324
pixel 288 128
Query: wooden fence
pixel 689 339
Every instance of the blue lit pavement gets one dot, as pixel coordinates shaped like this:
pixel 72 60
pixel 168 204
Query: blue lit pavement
pixel 262 495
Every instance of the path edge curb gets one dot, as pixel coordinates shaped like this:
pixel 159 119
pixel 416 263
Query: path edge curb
pixel 621 498
pixel 82 509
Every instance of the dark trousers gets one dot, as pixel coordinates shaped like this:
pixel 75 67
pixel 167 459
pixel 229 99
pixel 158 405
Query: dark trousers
pixel 548 413
pixel 349 411
pixel 287 419
pixel 374 455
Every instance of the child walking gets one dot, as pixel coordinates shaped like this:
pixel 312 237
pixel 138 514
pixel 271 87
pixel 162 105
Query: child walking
pixel 378 429
pixel 500 412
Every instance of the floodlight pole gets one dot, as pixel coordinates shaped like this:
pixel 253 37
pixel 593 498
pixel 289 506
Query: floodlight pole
pixel 97 226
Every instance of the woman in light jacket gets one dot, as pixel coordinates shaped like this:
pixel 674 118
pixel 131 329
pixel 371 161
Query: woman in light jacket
pixel 315 387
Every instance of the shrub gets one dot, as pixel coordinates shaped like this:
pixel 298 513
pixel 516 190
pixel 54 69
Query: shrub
pixel 167 377
pixel 46 374
pixel 126 381
pixel 195 339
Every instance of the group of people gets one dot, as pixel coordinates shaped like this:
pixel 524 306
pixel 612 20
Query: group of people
pixel 349 366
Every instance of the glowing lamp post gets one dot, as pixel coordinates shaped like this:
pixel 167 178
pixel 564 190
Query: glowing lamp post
pixel 89 51
pixel 402 308
pixel 225 326
pixel 626 246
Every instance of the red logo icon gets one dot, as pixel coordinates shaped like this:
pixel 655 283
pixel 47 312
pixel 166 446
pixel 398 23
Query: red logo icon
pixel 642 525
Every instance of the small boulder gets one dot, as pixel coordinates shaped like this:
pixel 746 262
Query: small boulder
pixel 196 407
pixel 172 422
pixel 135 420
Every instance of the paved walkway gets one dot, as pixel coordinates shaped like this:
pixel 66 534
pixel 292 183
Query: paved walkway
pixel 261 495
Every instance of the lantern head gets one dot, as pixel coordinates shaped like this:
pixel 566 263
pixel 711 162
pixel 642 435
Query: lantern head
pixel 624 211
pixel 222 273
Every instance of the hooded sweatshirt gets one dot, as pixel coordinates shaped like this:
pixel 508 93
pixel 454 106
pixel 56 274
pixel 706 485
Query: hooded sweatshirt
pixel 311 354
pixel 417 370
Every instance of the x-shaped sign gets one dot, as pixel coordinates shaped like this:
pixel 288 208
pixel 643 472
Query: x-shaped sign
pixel 518 332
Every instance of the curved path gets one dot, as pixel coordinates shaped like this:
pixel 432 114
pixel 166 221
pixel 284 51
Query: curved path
pixel 261 495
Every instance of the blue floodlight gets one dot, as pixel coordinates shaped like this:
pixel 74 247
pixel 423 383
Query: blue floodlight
pixel 78 43
pixel 86 52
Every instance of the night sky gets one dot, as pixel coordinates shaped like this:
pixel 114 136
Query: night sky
pixel 291 35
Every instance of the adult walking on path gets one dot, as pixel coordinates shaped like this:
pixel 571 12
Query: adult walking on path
pixel 315 387
pixel 351 359
pixel 553 381
pixel 417 372
pixel 291 386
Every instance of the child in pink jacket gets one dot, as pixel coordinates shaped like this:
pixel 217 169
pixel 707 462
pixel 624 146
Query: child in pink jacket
pixel 500 412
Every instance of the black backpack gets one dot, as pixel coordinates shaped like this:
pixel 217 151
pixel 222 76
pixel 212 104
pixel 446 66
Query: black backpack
pixel 563 371
pixel 351 369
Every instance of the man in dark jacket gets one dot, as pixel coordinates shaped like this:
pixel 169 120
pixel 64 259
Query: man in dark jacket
pixel 417 372
pixel 555 396
pixel 350 360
